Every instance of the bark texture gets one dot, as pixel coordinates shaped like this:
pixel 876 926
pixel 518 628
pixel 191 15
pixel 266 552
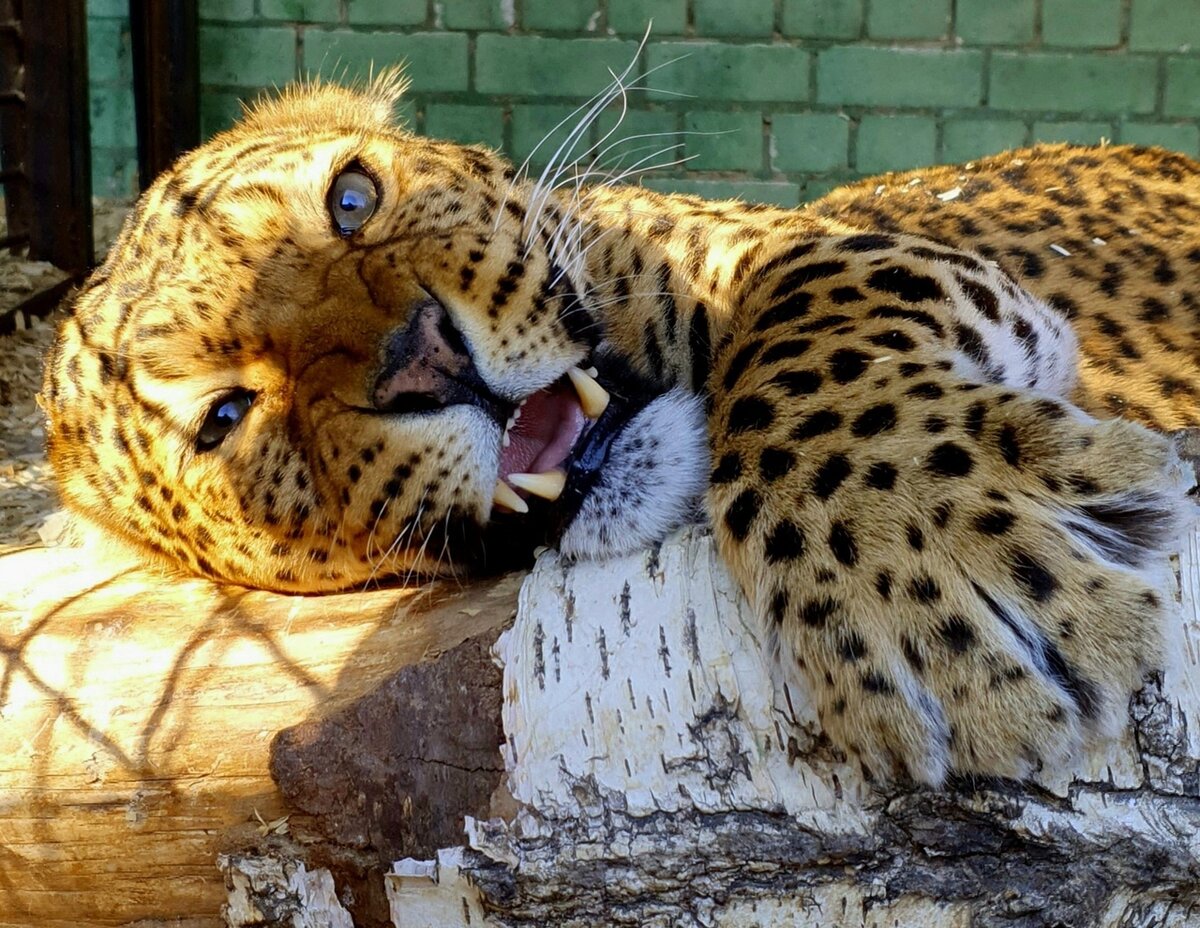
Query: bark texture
pixel 142 717
pixel 665 775
pixel 170 746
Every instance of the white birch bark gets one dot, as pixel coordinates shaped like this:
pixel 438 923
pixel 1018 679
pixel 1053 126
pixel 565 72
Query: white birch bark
pixel 666 775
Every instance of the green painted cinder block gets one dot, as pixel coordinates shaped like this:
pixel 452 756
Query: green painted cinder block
pixel 994 22
pixel 301 11
pixel 630 17
pixel 537 135
pixel 816 142
pixel 724 141
pixel 823 19
pixel 899 76
pixel 1081 23
pixel 561 15
pixel 1182 96
pixel 1077 132
pixel 434 61
pixel 816 188
pixel 1072 83
pixel 225 10
pixel 716 71
pixel 482 125
pixel 1175 136
pixel 1164 25
pixel 221 109
pixel 745 17
pixel 920 19
pixel 109 57
pixel 247 57
pixel 642 140
pixel 114 172
pixel 475 14
pixel 389 12
pixel 114 8
pixel 534 66
pixel 113 118
pixel 779 193
pixel 895 143
pixel 967 139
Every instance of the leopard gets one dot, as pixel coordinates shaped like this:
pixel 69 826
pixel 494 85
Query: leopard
pixel 926 416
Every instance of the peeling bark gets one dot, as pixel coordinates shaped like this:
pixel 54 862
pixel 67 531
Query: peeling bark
pixel 653 767
pixel 665 775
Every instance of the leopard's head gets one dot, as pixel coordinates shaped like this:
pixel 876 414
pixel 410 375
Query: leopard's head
pixel 325 350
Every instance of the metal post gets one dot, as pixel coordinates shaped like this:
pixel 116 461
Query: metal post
pixel 166 78
pixel 58 154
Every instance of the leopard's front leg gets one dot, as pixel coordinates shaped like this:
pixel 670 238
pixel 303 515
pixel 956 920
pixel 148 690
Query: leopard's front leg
pixel 953 555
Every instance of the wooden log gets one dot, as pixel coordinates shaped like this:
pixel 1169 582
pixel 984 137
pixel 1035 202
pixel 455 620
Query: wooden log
pixel 657 770
pixel 666 774
pixel 140 713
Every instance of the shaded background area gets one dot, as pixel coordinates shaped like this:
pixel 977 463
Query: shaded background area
pixel 792 96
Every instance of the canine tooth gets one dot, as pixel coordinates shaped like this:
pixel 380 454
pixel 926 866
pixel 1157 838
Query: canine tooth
pixel 505 439
pixel 512 420
pixel 593 398
pixel 548 485
pixel 506 497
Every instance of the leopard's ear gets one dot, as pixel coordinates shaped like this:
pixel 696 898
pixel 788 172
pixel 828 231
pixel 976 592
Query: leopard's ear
pixel 315 103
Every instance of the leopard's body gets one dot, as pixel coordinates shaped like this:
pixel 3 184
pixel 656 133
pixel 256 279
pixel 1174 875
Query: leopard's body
pixel 904 472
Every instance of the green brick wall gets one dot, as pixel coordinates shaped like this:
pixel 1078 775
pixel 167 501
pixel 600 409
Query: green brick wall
pixel 774 100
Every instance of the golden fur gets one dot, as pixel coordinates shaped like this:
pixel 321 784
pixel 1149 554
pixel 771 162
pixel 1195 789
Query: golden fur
pixel 906 474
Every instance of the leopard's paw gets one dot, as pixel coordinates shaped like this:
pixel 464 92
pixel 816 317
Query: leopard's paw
pixel 978 598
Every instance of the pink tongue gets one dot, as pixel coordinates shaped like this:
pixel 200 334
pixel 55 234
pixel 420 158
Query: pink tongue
pixel 550 424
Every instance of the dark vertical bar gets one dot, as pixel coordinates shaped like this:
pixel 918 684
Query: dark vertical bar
pixel 13 122
pixel 58 155
pixel 166 81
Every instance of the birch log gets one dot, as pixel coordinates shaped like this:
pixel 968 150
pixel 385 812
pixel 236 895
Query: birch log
pixel 655 769
pixel 665 775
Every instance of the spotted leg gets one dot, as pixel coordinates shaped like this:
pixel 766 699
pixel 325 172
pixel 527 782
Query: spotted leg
pixel 957 560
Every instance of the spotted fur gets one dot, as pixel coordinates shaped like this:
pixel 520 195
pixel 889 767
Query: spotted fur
pixel 904 464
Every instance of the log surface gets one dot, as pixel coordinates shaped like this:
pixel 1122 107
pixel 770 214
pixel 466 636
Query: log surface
pixel 139 713
pixel 639 761
pixel 669 777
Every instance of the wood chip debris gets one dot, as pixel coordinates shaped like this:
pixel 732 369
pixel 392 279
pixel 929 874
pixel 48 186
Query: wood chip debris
pixel 28 500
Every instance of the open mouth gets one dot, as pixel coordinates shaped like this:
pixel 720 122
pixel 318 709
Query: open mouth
pixel 540 436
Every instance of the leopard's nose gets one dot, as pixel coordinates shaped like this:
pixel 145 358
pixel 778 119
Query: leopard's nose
pixel 427 365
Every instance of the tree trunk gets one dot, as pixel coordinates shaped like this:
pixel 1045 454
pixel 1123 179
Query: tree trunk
pixel 651 768
pixel 664 775
pixel 140 721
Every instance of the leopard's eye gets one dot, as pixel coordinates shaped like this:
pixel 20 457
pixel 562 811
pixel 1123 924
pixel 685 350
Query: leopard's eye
pixel 223 417
pixel 352 200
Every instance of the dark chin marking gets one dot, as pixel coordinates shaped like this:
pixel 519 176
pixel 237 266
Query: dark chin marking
pixel 503 544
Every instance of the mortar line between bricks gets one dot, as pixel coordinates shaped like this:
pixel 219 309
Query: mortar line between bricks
pixel 985 90
pixel 1161 88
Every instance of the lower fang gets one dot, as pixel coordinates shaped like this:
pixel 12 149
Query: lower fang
pixel 506 497
pixel 548 485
